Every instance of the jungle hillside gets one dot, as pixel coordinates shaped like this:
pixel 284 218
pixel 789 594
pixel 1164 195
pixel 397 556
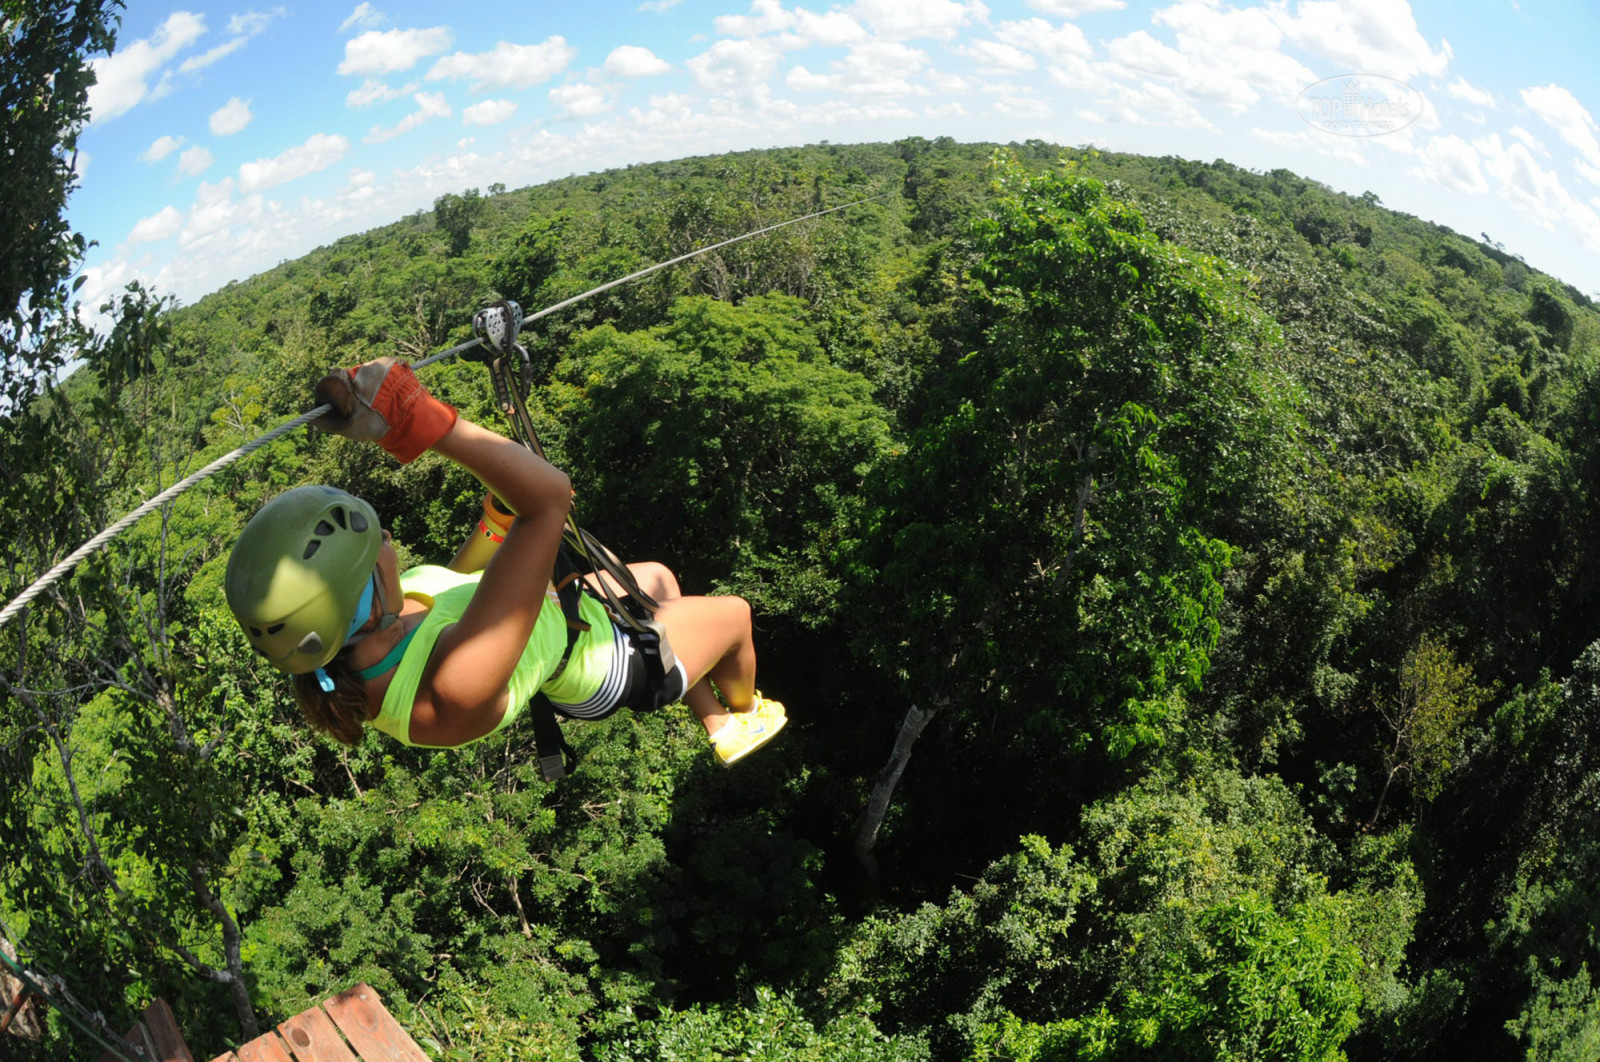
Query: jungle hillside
pixel 1219 553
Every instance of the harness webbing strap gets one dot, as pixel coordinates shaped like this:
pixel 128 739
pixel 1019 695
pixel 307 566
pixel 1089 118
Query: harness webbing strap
pixel 556 758
pixel 580 554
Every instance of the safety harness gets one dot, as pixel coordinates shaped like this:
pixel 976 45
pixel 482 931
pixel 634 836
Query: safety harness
pixel 580 554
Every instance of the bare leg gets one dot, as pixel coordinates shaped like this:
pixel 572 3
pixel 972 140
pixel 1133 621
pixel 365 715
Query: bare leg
pixel 735 680
pixel 711 637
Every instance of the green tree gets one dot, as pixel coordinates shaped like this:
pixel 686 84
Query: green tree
pixel 45 75
pixel 1427 717
pixel 456 216
pixel 724 439
pixel 1256 984
pixel 1043 554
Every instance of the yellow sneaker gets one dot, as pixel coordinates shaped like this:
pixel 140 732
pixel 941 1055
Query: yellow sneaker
pixel 762 706
pixel 743 733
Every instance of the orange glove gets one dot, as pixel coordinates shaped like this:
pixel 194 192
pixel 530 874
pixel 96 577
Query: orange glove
pixel 383 402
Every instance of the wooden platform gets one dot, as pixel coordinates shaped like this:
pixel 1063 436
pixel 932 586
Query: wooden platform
pixel 352 1026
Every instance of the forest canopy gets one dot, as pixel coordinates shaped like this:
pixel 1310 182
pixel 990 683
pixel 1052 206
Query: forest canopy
pixel 1232 539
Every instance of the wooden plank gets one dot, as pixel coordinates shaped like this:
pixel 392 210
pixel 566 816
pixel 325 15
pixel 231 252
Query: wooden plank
pixel 164 1034
pixel 372 1030
pixel 265 1048
pixel 313 1038
pixel 226 1056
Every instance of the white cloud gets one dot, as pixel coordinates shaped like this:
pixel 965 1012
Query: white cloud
pixel 240 28
pixel 996 57
pixel 365 16
pixel 1153 103
pixel 879 68
pixel 489 112
pixel 1055 43
pixel 210 217
pixel 659 5
pixel 389 51
pixel 732 66
pixel 906 19
pixel 509 66
pixel 231 117
pixel 795 29
pixel 1561 111
pixel 250 23
pixel 1014 106
pixel 1364 36
pixel 1080 76
pixel 120 79
pixel 1074 8
pixel 1459 89
pixel 841 112
pixel 1537 192
pixel 194 161
pixel 1532 141
pixel 430 105
pixel 158 226
pixel 1346 149
pixel 1451 163
pixel 1220 55
pixel 768 16
pixel 835 29
pixel 161 147
pixel 1140 56
pixel 373 91
pixel 319 152
pixel 631 61
pixel 206 58
pixel 582 100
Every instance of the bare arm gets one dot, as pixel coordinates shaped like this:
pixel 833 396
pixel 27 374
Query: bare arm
pixel 463 692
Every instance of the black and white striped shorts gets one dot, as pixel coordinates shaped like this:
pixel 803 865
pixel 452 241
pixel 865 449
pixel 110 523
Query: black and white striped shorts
pixel 627 683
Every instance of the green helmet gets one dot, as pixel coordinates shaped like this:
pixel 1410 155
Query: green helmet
pixel 296 575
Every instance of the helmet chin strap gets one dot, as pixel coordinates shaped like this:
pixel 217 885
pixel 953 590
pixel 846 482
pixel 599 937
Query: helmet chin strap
pixel 363 616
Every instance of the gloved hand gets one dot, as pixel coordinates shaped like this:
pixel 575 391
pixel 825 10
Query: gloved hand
pixel 383 402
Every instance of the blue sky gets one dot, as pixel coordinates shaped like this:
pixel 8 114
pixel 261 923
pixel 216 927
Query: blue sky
pixel 226 138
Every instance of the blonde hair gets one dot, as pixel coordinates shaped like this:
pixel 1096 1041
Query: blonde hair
pixel 341 714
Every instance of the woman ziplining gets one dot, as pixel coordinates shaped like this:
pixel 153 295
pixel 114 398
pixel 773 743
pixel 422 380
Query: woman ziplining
pixel 442 656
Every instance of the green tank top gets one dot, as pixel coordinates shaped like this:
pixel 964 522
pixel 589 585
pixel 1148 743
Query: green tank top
pixel 447 593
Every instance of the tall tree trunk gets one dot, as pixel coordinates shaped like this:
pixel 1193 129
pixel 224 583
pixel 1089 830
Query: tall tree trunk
pixel 883 789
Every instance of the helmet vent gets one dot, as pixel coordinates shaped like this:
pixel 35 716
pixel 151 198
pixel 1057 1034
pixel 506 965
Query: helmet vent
pixel 275 628
pixel 323 528
pixel 358 523
pixel 255 632
pixel 311 549
pixel 338 515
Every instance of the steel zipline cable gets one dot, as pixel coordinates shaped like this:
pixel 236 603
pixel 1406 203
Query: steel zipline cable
pixel 104 538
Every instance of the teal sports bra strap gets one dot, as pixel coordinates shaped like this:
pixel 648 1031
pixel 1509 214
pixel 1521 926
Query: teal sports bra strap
pixel 367 674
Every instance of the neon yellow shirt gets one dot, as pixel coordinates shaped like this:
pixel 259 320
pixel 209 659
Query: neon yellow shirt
pixel 447 594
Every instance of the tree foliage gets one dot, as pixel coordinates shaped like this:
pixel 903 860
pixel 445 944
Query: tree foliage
pixel 1241 534
pixel 45 74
